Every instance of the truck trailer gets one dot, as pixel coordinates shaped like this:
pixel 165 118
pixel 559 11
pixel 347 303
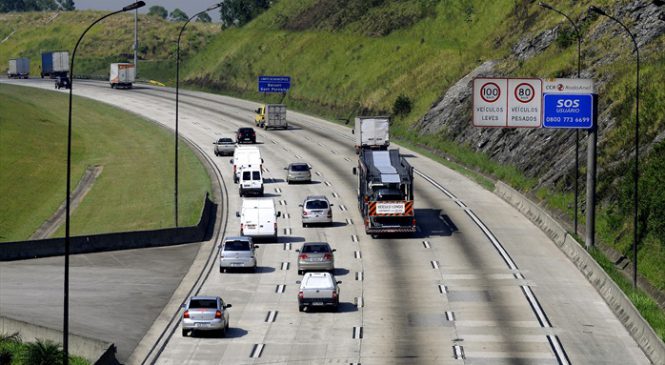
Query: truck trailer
pixel 18 68
pixel 122 75
pixel 385 192
pixel 372 132
pixel 271 116
pixel 55 64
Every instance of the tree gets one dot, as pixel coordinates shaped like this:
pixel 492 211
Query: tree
pixel 35 5
pixel 241 12
pixel 178 15
pixel 159 11
pixel 204 18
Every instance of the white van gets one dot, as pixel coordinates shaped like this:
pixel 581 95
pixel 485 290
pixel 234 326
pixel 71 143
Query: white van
pixel 245 156
pixel 258 218
pixel 251 181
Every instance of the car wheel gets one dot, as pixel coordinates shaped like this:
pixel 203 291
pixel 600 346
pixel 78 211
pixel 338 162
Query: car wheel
pixel 184 333
pixel 301 308
pixel 222 332
pixel 221 270
pixel 300 272
pixel 303 225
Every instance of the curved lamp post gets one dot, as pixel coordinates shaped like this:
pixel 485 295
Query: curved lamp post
pixel 65 325
pixel 577 131
pixel 636 172
pixel 177 88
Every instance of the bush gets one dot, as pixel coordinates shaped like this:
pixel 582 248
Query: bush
pixel 402 105
pixel 43 352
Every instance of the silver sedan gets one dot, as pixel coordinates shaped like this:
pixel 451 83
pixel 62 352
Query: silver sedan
pixel 205 313
pixel 316 209
pixel 298 172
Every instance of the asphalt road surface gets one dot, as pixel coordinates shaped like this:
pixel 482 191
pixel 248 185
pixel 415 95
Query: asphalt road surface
pixel 478 283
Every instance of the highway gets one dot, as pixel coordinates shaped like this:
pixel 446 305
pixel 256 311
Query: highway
pixel 477 284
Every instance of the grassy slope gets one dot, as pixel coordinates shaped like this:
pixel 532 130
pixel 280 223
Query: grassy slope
pixel 135 189
pixel 109 41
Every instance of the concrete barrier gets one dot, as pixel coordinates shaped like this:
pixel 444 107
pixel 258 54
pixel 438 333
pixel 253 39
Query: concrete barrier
pixel 623 308
pixel 96 351
pixel 31 249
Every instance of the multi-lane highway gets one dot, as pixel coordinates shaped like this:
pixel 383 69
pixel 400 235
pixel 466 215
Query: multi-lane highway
pixel 478 283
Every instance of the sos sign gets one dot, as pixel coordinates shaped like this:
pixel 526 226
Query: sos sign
pixel 568 111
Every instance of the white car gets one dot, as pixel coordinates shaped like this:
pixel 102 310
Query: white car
pixel 224 147
pixel 318 289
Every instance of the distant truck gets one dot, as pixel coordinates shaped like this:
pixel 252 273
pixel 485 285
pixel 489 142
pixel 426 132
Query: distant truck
pixel 372 132
pixel 55 64
pixel 19 68
pixel 122 75
pixel 271 116
pixel 385 192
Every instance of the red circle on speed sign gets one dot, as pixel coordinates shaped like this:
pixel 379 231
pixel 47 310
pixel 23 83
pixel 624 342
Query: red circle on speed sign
pixel 524 92
pixel 490 92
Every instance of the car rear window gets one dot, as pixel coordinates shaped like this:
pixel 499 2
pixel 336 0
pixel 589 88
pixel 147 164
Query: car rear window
pixel 246 175
pixel 256 175
pixel 316 204
pixel 203 303
pixel 226 140
pixel 299 168
pixel 236 246
pixel 315 249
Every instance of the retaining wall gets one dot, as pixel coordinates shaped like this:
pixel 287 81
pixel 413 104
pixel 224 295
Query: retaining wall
pixel 622 307
pixel 31 249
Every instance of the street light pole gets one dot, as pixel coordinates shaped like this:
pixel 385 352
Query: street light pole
pixel 577 131
pixel 636 171
pixel 177 96
pixel 65 324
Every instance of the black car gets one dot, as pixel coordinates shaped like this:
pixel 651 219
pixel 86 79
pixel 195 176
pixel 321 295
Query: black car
pixel 62 81
pixel 245 135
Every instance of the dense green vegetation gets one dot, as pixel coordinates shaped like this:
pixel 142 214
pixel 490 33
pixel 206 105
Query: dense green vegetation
pixel 112 40
pixel 13 351
pixel 134 190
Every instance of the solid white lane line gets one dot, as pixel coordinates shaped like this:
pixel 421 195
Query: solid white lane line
pixel 280 288
pixel 497 245
pixel 257 350
pixel 426 244
pixel 450 316
pixel 535 305
pixel 431 181
pixel 458 352
pixel 557 348
pixel 435 264
pixel 443 289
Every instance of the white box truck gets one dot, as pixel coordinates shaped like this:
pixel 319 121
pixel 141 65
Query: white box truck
pixel 271 116
pixel 122 75
pixel 372 132
pixel 18 68
pixel 258 218
pixel 243 157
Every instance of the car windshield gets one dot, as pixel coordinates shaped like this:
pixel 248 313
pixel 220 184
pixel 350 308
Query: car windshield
pixel 203 303
pixel 299 167
pixel 316 204
pixel 236 246
pixel 315 249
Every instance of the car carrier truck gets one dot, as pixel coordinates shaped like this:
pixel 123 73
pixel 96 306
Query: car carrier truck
pixel 385 192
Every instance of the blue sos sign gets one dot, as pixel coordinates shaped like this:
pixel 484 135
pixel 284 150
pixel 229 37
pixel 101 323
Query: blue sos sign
pixel 568 111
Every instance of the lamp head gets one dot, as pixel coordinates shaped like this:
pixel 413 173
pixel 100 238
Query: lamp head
pixel 136 5
pixel 546 6
pixel 213 7
pixel 597 10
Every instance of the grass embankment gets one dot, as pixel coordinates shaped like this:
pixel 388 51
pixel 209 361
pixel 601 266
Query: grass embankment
pixel 109 41
pixel 134 190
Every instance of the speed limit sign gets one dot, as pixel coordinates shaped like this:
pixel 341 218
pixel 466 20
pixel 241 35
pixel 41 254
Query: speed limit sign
pixel 489 102
pixel 525 103
pixel 524 92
